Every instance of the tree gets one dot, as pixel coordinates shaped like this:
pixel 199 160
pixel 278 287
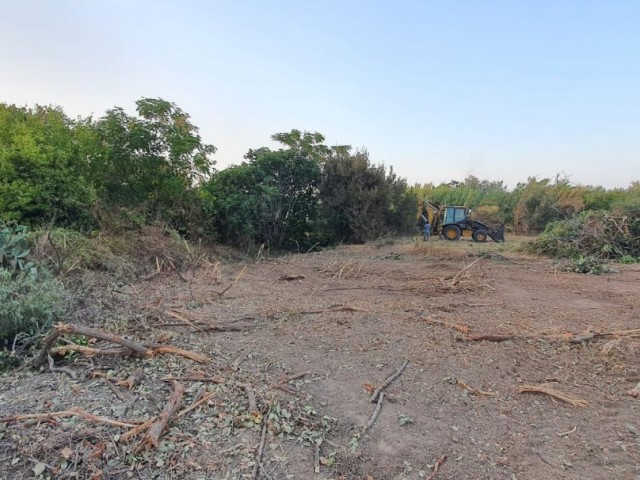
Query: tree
pixel 271 199
pixel 42 174
pixel 151 161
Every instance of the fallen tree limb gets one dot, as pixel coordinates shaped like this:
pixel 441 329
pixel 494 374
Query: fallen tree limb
pixel 43 355
pixel 72 412
pixel 570 337
pixel 258 460
pixel 195 405
pixel 90 351
pixel 152 438
pixel 214 379
pixel 552 392
pixel 438 465
pixel 106 336
pixel 137 429
pixel 291 378
pixel 168 349
pixel 388 381
pixel 375 413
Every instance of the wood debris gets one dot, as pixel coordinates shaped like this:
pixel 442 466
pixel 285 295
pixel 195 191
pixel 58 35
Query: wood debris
pixel 375 413
pixel 474 391
pixel 552 392
pixel 152 438
pixel 436 468
pixel 388 381
pixel 72 412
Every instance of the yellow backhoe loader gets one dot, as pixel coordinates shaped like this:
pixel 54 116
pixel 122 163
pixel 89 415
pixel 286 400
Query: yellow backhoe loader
pixel 454 222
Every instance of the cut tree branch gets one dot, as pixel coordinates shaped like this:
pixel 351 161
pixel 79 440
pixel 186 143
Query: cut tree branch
pixel 388 381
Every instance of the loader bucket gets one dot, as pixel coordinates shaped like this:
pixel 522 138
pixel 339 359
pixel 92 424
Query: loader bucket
pixel 498 234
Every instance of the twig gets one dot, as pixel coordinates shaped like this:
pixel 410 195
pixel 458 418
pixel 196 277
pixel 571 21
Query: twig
pixel 291 378
pixel 552 392
pixel 438 465
pixel 260 448
pixel 137 429
pixel 89 351
pixel 566 434
pixel 235 281
pixel 131 380
pixel 196 404
pixel 152 438
pixel 182 318
pixel 388 381
pixel 253 406
pixel 72 412
pixel 214 379
pixel 474 391
pixel 316 459
pixel 375 413
pixel 239 359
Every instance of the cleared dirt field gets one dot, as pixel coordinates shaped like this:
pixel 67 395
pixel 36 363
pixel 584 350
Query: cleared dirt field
pixel 341 322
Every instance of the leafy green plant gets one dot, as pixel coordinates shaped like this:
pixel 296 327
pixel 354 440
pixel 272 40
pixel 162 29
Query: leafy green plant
pixel 629 259
pixel 14 249
pixel 29 302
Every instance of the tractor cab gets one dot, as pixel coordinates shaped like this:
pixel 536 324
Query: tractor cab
pixel 454 215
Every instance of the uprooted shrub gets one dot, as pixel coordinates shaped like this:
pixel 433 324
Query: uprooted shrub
pixel 29 302
pixel 596 235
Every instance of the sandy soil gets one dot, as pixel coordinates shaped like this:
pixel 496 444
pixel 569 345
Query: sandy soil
pixel 347 319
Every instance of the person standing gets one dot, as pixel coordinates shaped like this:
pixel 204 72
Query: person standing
pixel 426 231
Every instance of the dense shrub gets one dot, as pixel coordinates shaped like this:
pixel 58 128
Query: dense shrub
pixel 29 302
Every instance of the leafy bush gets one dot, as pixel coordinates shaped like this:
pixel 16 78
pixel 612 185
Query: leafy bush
pixel 29 302
pixel 13 247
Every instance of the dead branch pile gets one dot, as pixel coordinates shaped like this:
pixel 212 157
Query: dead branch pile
pixel 129 347
pixel 599 235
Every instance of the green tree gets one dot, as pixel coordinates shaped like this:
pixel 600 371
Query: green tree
pixel 41 168
pixel 151 161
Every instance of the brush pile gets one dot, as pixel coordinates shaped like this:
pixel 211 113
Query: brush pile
pixel 597 235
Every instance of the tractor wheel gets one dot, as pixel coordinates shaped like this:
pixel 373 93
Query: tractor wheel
pixel 451 232
pixel 479 236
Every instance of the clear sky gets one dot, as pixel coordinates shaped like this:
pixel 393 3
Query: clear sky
pixel 438 89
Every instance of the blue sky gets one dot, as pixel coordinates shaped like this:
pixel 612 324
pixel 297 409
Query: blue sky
pixel 438 89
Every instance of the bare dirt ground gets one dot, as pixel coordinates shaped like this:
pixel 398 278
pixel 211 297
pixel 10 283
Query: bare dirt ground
pixel 342 321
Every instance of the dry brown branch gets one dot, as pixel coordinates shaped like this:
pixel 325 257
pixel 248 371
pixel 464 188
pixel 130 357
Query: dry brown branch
pixel 232 284
pixel 290 278
pixel 100 335
pixel 375 413
pixel 72 412
pixel 552 392
pixel 235 366
pixel 570 337
pixel 90 351
pixel 251 396
pixel 454 279
pixel 222 328
pixel 131 380
pixel 43 355
pixel 291 378
pixel 137 429
pixel 474 391
pixel 196 357
pixel 214 379
pixel 316 459
pixel 455 326
pixel 260 448
pixel 196 404
pixel 438 465
pixel 184 319
pixel 333 309
pixel 635 391
pixel 388 381
pixel 152 438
